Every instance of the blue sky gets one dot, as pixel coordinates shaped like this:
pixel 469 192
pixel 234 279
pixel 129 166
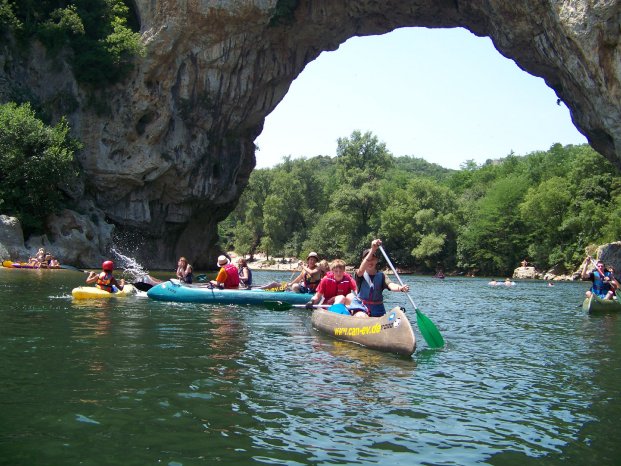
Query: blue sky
pixel 444 95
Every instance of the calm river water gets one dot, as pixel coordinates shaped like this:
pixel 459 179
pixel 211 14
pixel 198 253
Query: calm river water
pixel 526 379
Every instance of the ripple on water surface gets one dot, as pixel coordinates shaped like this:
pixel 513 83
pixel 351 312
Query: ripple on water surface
pixel 192 384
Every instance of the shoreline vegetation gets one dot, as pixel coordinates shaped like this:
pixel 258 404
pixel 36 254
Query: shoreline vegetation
pixel 549 207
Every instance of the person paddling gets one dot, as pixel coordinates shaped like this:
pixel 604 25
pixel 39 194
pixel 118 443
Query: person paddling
pixel 601 278
pixel 372 283
pixel 105 280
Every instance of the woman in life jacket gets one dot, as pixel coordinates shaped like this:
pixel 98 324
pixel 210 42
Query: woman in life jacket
pixel 244 272
pixel 372 283
pixel 105 280
pixel 185 273
pixel 228 276
pixel 310 276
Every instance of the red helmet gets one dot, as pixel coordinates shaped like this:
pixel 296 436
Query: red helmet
pixel 108 266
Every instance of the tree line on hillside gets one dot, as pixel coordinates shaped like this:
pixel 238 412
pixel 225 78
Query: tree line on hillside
pixel 547 206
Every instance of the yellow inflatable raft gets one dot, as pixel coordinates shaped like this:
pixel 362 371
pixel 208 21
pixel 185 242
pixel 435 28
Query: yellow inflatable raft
pixel 91 292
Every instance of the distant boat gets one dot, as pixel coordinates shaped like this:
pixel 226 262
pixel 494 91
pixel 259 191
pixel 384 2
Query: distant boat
pixel 439 275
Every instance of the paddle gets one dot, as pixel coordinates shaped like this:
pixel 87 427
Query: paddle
pixel 71 267
pixel 427 328
pixel 141 286
pixel 283 306
pixel 612 279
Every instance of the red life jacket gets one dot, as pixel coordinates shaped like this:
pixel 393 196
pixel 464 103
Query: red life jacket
pixel 329 287
pixel 232 276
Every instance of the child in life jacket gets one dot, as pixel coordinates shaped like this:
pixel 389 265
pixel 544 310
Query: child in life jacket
pixel 105 280
pixel 338 287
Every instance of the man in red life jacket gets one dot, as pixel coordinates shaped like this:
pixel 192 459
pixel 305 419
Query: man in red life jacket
pixel 228 276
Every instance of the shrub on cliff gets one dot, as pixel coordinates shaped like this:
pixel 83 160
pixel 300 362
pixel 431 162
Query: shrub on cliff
pixel 35 160
pixel 101 34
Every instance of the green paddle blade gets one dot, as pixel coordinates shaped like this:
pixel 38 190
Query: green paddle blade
pixel 428 330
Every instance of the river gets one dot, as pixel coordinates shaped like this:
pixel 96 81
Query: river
pixel 526 378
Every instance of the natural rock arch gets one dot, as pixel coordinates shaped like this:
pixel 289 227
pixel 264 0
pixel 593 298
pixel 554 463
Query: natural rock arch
pixel 177 150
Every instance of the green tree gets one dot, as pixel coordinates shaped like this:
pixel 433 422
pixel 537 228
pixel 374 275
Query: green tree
pixel 420 225
pixel 330 237
pixel 362 162
pixel 543 211
pixel 8 20
pixel 494 238
pixel 62 24
pixel 35 160
pixel 101 34
pixel 243 228
pixel 281 210
pixel 362 158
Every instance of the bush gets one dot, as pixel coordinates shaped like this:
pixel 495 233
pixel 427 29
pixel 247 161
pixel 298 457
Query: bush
pixel 101 34
pixel 35 160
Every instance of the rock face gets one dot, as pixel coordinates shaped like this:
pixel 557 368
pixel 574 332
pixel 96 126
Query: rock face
pixel 610 254
pixel 76 239
pixel 524 273
pixel 11 239
pixel 172 150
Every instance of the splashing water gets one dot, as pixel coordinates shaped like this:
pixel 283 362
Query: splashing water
pixel 132 269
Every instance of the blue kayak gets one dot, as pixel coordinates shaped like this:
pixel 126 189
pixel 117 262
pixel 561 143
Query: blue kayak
pixel 182 293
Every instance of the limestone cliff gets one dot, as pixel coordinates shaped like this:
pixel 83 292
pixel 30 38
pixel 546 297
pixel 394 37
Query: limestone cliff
pixel 168 152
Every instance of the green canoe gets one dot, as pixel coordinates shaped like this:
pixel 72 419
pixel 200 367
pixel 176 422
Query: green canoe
pixel 596 304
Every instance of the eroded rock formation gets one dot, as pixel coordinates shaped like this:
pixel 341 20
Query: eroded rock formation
pixel 172 150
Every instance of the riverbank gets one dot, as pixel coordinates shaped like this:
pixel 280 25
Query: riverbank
pixel 292 264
